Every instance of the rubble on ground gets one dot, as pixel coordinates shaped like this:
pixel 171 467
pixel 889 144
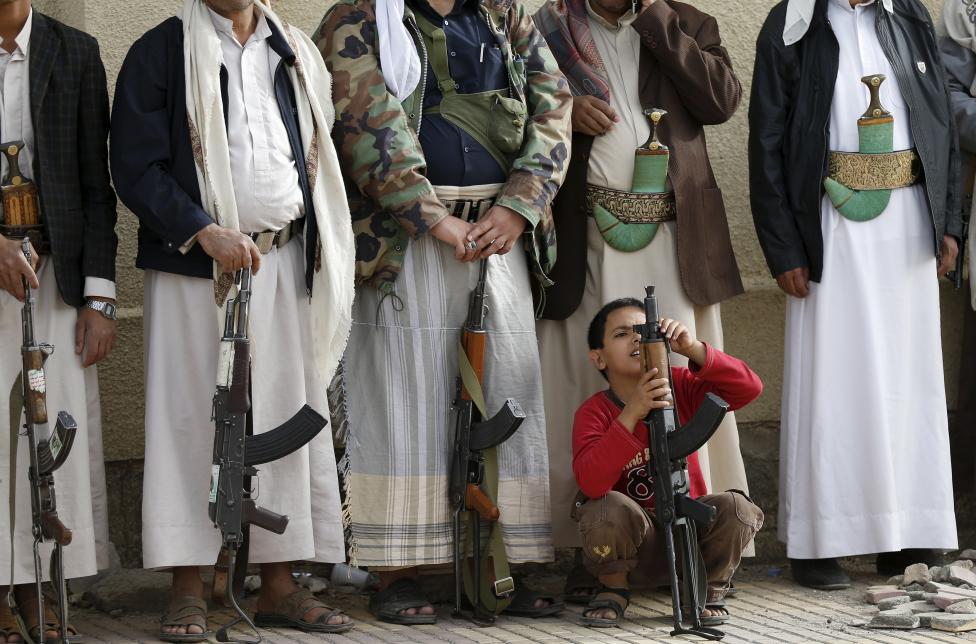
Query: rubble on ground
pixel 938 597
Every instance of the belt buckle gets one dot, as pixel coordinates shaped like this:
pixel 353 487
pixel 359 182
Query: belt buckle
pixel 264 241
pixel 504 587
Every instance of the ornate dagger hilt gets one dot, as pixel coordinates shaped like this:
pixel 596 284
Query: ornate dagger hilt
pixel 875 109
pixel 654 115
pixel 12 150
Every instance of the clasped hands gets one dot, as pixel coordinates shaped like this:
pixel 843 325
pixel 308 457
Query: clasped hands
pixel 496 233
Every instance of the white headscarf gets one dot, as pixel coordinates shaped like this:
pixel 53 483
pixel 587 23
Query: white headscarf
pixel 398 53
pixel 799 13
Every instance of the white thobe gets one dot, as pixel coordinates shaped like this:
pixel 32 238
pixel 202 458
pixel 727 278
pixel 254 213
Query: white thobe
pixel 80 482
pixel 181 343
pixel 864 451
pixel 568 377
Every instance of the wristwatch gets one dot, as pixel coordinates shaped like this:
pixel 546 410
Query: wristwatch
pixel 107 309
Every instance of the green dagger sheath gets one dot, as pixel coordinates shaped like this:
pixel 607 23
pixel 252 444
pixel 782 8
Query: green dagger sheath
pixel 875 132
pixel 650 176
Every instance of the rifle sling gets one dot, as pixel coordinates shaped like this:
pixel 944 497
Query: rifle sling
pixel 16 407
pixel 495 547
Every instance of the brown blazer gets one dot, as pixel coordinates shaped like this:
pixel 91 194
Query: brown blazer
pixel 685 70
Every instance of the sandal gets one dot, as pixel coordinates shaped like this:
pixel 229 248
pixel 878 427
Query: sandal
pixel 402 594
pixel 715 620
pixel 616 599
pixel 185 611
pixel 8 625
pixel 523 603
pixel 581 585
pixel 290 612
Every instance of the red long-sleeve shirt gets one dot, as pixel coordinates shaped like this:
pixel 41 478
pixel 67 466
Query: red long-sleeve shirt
pixel 606 456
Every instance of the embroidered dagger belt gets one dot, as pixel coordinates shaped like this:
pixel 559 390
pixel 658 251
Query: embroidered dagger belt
pixel 882 171
pixel 633 207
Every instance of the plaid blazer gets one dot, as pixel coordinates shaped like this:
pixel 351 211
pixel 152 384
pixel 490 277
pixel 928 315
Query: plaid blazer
pixel 69 108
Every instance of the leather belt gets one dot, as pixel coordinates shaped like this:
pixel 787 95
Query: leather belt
pixel 37 234
pixel 277 238
pixel 884 171
pixel 633 207
pixel 469 209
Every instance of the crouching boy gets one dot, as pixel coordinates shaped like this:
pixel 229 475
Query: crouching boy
pixel 611 454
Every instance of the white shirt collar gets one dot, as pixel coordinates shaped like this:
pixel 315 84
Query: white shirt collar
pixel 622 21
pixel 23 38
pixel 226 26
pixel 799 14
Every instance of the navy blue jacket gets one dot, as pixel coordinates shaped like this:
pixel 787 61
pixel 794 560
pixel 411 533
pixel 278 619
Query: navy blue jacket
pixel 152 161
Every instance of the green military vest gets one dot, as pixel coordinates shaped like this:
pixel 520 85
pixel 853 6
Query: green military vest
pixel 495 118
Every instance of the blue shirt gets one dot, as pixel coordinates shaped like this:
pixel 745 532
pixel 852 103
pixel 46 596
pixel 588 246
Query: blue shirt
pixel 454 157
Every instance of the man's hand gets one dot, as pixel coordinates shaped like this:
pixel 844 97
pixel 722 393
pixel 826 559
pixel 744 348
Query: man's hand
pixel 683 342
pixel 650 393
pixel 497 231
pixel 454 232
pixel 232 249
pixel 950 251
pixel 592 116
pixel 94 334
pixel 14 266
pixel 795 282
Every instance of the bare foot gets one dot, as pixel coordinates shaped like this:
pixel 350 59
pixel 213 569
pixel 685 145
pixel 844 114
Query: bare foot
pixel 277 583
pixel 388 578
pixel 26 596
pixel 718 611
pixel 186 583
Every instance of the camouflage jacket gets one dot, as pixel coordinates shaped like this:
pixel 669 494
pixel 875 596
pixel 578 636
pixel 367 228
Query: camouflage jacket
pixel 390 198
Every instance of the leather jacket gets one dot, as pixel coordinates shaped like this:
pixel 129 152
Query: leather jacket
pixel 789 118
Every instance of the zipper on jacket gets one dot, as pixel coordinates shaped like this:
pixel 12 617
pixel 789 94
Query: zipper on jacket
pixel 423 70
pixel 887 44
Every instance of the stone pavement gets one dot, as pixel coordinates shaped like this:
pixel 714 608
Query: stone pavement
pixel 766 609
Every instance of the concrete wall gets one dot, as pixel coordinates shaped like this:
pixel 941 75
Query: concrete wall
pixel 753 322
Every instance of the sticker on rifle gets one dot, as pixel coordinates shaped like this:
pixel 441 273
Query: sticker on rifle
pixel 214 477
pixel 55 445
pixel 36 381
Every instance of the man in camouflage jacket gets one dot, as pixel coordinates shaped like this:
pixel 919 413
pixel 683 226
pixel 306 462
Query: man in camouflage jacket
pixel 431 193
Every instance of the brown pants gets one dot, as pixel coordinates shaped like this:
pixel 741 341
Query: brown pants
pixel 619 536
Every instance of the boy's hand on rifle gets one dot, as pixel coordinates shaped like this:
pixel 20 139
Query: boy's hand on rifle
pixel 454 232
pixel 14 266
pixel 651 392
pixel 232 249
pixel 94 335
pixel 682 341
pixel 497 231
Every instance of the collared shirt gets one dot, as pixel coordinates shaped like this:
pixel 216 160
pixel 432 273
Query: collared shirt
pixel 454 157
pixel 262 164
pixel 611 161
pixel 16 125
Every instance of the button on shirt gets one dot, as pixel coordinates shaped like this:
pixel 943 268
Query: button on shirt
pixel 262 164
pixel 16 125
pixel 454 157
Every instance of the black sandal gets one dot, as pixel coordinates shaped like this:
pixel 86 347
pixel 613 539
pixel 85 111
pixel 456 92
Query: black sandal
pixel 402 594
pixel 290 612
pixel 581 585
pixel 617 599
pixel 715 620
pixel 523 603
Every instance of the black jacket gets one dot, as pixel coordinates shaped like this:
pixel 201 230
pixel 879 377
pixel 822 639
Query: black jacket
pixel 152 161
pixel 69 111
pixel 789 117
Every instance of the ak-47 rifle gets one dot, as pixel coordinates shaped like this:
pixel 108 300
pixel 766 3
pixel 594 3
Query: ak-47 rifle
pixel 677 513
pixel 236 454
pixel 46 456
pixel 473 436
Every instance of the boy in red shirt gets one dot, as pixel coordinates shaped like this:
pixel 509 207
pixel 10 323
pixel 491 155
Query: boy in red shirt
pixel 610 458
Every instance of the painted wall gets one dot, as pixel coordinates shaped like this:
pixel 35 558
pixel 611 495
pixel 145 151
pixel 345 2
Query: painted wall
pixel 753 322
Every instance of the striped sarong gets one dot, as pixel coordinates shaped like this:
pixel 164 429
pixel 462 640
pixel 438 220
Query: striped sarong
pixel 401 366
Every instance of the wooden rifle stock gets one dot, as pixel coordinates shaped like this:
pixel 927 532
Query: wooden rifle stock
pixel 53 529
pixel 36 399
pixel 239 397
pixel 475 344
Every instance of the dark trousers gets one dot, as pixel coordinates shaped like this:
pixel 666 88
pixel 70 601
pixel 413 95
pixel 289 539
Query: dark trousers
pixel 619 536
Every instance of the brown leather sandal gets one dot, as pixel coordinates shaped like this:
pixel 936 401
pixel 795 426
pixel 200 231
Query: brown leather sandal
pixel 290 612
pixel 185 611
pixel 8 625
